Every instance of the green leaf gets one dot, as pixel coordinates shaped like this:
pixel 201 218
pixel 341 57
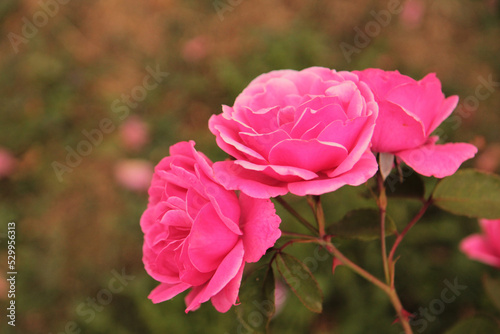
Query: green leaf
pixel 475 326
pixel 492 287
pixel 363 224
pixel 257 300
pixel 470 193
pixel 412 186
pixel 302 282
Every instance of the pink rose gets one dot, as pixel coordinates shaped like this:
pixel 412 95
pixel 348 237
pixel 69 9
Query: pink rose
pixel 484 247
pixel 409 111
pixel 199 235
pixel 304 132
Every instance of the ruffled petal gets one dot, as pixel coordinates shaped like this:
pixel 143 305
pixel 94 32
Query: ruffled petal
pixel 260 225
pixel 263 143
pixel 273 95
pixel 437 160
pixel 230 142
pixel 311 155
pixel 444 112
pixel 210 240
pixel 345 133
pixel 381 82
pixel 362 144
pixel 226 271
pixel 421 100
pixel 364 169
pixel 166 291
pixel 227 297
pixel 282 173
pixel 252 183
pixel 396 129
pixel 323 115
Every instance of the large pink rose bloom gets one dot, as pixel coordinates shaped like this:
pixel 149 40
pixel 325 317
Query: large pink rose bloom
pixel 199 235
pixel 409 111
pixel 304 132
pixel 484 247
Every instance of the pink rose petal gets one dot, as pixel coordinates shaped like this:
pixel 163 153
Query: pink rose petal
pixel 260 225
pixel 166 291
pixel 437 160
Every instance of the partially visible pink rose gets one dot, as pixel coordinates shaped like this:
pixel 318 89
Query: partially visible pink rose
pixel 484 247
pixel 134 133
pixel 199 235
pixel 409 111
pixel 304 132
pixel 134 174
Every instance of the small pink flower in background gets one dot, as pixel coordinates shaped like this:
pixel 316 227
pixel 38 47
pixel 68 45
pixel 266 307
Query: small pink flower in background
pixel 134 174
pixel 489 159
pixel 195 49
pixel 199 235
pixel 7 163
pixel 134 133
pixel 412 13
pixel 409 111
pixel 484 247
pixel 280 297
pixel 304 132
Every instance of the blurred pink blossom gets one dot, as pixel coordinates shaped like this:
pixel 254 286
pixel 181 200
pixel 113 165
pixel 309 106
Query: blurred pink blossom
pixel 412 14
pixel 484 247
pixel 134 133
pixel 134 175
pixel 7 163
pixel 195 49
pixel 280 297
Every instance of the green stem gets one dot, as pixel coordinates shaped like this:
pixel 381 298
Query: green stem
pixel 297 235
pixel 388 290
pixel 345 261
pixel 294 213
pixel 317 208
pixel 415 219
pixel 382 205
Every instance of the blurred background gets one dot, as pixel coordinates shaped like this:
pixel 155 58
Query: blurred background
pixel 93 93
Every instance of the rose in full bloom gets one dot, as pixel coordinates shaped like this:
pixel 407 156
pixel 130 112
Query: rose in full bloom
pixel 304 132
pixel 199 235
pixel 409 111
pixel 484 247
